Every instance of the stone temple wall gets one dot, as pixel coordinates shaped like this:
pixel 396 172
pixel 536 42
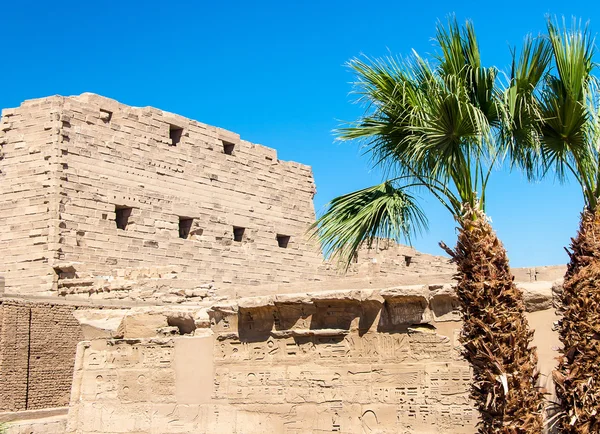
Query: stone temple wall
pixel 29 194
pixel 109 191
pixel 380 361
pixel 107 207
pixel 105 201
pixel 38 338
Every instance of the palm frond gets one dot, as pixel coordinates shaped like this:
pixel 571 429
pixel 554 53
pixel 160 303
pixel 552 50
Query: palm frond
pixel 551 106
pixel 569 120
pixel 384 211
pixel 520 134
pixel 424 122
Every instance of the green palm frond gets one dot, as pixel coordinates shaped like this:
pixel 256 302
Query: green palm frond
pixel 460 57
pixel 552 108
pixel 431 122
pixel 569 134
pixel 390 96
pixel 383 211
pixel 520 134
pixel 573 53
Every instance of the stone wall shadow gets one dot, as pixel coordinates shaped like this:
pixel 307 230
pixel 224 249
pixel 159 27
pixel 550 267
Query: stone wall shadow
pixel 399 313
pixel 255 324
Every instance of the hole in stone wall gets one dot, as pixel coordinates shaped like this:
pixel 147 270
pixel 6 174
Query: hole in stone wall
pixel 238 233
pixel 185 226
pixel 105 115
pixel 186 325
pixel 228 147
pixel 79 238
pixel 122 214
pixel 175 133
pixel 66 271
pixel 283 240
pixel 407 260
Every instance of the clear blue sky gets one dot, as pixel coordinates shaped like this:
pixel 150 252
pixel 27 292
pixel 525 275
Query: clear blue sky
pixel 273 72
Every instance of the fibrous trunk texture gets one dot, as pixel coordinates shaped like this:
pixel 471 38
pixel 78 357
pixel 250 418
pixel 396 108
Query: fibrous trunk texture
pixel 495 335
pixel 577 378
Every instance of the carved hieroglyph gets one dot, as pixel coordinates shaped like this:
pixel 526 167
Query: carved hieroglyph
pixel 346 384
pixel 337 362
pixel 373 361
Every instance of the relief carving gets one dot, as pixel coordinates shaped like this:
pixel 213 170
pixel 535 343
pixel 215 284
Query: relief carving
pixel 351 365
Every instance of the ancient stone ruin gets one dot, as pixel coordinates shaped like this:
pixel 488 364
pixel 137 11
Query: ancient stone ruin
pixel 158 278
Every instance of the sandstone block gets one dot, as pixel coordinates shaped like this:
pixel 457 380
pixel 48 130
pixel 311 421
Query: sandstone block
pixel 140 325
pixel 100 323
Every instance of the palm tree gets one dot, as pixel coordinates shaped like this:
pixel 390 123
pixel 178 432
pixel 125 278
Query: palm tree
pixel 563 134
pixel 438 124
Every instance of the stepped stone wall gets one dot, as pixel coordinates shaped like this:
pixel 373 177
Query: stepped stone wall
pixel 94 190
pixel 102 200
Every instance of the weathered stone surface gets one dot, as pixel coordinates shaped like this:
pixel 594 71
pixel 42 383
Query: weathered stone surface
pixel 99 323
pixel 202 319
pixel 405 291
pixel 538 295
pixel 37 343
pixel 251 302
pixel 141 325
pixel 104 200
pixel 331 363
pixel 101 198
pixel 47 421
pixel 341 295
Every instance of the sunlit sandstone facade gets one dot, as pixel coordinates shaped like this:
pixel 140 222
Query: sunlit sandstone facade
pixel 113 190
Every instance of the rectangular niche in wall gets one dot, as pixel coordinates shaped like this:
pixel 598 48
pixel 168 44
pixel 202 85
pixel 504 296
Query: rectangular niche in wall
pixel 228 147
pixel 238 233
pixel 283 240
pixel 122 214
pixel 185 226
pixel 175 133
pixel 105 115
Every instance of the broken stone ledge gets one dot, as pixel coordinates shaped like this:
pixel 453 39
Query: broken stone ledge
pixel 407 306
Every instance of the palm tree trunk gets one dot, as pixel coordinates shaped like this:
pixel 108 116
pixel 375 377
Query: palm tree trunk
pixel 577 378
pixel 495 335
